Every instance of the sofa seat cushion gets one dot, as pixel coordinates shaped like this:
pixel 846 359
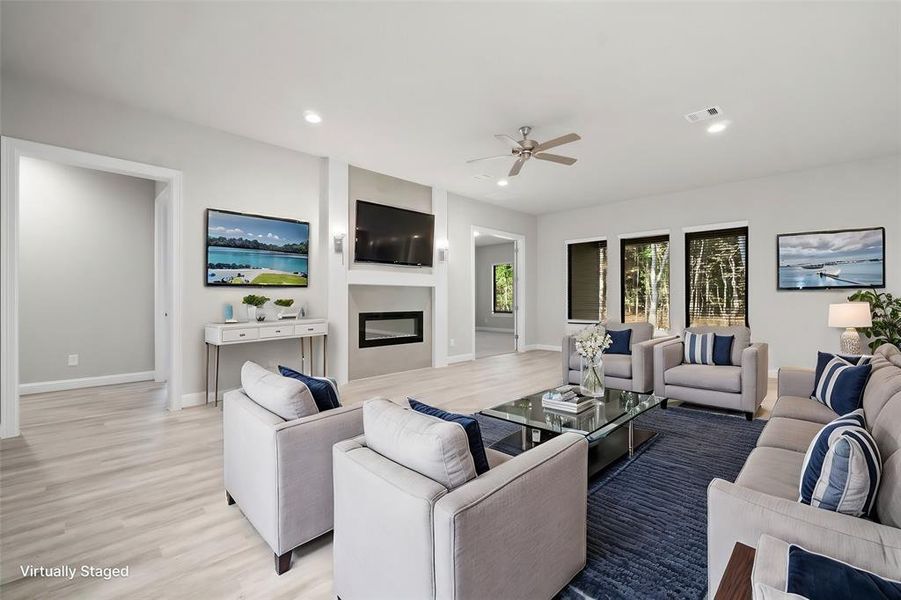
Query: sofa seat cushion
pixel 788 434
pixel 618 365
pixel 805 409
pixel 773 471
pixel 432 447
pixel 705 377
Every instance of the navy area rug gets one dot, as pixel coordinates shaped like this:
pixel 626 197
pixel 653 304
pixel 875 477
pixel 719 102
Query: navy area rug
pixel 647 515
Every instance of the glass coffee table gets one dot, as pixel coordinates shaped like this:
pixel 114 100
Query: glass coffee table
pixel 606 424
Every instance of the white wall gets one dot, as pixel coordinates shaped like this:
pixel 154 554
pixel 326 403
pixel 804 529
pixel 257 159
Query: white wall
pixel 859 194
pixel 85 268
pixel 462 214
pixel 220 171
pixel 486 258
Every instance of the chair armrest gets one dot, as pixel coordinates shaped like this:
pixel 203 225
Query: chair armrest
pixel 666 356
pixel 738 514
pixel 517 531
pixel 567 350
pixel 304 451
pixel 754 376
pixel 793 381
pixel 250 465
pixel 643 363
pixel 383 545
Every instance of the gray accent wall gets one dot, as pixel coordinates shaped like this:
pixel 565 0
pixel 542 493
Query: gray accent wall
pixel 486 258
pixel 85 272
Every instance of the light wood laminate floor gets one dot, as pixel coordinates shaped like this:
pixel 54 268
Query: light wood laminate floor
pixel 107 477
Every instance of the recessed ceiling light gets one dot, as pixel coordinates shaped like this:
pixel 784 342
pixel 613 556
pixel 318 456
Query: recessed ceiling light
pixel 502 182
pixel 718 127
pixel 311 116
pixel 475 234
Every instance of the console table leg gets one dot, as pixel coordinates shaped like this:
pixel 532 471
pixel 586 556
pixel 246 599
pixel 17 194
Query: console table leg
pixel 216 389
pixel 325 355
pixel 303 355
pixel 206 381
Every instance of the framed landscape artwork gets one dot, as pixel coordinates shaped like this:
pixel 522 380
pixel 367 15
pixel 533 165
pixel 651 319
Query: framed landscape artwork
pixel 850 258
pixel 256 251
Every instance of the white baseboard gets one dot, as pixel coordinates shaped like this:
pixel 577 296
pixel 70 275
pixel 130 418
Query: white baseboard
pixel 83 382
pixel 495 329
pixel 548 347
pixel 458 358
pixel 197 398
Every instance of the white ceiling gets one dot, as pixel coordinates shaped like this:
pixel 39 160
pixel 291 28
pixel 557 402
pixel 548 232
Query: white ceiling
pixel 415 89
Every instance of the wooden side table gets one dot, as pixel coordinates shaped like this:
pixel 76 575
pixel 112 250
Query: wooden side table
pixel 736 581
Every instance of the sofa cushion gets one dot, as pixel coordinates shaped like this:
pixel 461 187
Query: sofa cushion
pixel 805 409
pixel 841 385
pixel 575 362
pixel 773 471
pixel 823 359
pixel 842 467
pixel 882 399
pixel 496 458
pixel 619 341
pixel 742 338
pixel 618 365
pixel 812 575
pixel 706 377
pixel 283 396
pixel 790 434
pixel 470 425
pixel 698 348
pixel 722 349
pixel 324 390
pixel 433 448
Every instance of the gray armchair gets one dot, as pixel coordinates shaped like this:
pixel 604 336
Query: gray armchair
pixel 280 472
pixel 516 531
pixel 740 385
pixel 631 372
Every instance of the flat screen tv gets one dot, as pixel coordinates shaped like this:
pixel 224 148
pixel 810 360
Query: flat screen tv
pixel 819 260
pixel 256 251
pixel 391 235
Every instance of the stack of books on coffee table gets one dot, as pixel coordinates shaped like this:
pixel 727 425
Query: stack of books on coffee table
pixel 568 401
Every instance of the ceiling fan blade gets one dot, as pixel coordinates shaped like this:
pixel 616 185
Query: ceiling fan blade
pixel 488 158
pixel 563 160
pixel 514 170
pixel 509 141
pixel 563 139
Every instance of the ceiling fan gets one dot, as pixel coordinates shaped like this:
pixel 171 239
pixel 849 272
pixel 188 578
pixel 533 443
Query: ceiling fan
pixel 525 149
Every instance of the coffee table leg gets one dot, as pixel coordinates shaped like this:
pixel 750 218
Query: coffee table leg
pixel 631 440
pixel 525 438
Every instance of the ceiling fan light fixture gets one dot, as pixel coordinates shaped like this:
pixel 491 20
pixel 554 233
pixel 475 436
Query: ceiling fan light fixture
pixel 312 117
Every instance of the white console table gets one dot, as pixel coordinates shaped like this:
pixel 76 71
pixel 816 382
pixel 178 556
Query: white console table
pixel 217 335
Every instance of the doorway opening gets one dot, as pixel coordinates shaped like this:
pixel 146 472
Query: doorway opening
pixel 497 283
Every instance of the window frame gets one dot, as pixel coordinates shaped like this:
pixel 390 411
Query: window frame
pixel 712 233
pixel 602 240
pixel 494 310
pixel 643 239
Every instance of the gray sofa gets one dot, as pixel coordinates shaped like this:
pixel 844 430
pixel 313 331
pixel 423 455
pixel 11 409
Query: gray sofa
pixel 633 373
pixel 764 498
pixel 516 531
pixel 280 472
pixel 739 386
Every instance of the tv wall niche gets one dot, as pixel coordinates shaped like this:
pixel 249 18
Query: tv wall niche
pixel 823 260
pixel 247 250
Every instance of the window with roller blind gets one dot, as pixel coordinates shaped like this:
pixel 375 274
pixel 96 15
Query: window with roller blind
pixel 586 264
pixel 716 277
pixel 644 273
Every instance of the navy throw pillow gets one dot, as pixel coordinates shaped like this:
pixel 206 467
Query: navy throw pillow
pixel 470 426
pixel 620 341
pixel 816 576
pixel 325 394
pixel 823 359
pixel 722 349
pixel 841 385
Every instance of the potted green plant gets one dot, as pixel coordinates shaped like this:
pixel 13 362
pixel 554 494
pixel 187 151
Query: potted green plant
pixel 254 302
pixel 886 316
pixel 284 303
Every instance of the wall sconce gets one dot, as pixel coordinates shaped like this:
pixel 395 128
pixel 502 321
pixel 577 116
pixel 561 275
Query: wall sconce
pixel 442 251
pixel 338 238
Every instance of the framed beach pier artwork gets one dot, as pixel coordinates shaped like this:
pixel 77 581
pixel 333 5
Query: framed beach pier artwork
pixel 256 251
pixel 819 260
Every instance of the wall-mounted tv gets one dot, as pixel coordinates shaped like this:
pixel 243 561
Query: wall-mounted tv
pixel 256 251
pixel 817 260
pixel 391 235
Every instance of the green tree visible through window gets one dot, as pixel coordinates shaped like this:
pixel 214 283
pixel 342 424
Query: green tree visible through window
pixel 645 277
pixel 716 277
pixel 503 288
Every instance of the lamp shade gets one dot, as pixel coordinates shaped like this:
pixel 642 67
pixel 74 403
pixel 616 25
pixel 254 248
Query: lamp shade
pixel 850 314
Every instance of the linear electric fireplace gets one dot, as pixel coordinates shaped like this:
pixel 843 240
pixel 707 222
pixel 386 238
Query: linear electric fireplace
pixel 390 328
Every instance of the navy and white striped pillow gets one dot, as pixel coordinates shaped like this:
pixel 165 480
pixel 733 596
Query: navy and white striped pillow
pixel 841 385
pixel 842 468
pixel 698 348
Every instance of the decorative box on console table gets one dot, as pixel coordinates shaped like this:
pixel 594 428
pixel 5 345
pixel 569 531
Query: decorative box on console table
pixel 217 335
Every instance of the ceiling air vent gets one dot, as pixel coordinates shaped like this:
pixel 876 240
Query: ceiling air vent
pixel 703 115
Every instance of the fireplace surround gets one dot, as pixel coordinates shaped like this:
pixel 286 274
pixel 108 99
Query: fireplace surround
pixel 390 328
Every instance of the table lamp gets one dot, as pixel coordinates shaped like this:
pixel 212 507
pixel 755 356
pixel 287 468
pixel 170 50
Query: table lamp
pixel 850 315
